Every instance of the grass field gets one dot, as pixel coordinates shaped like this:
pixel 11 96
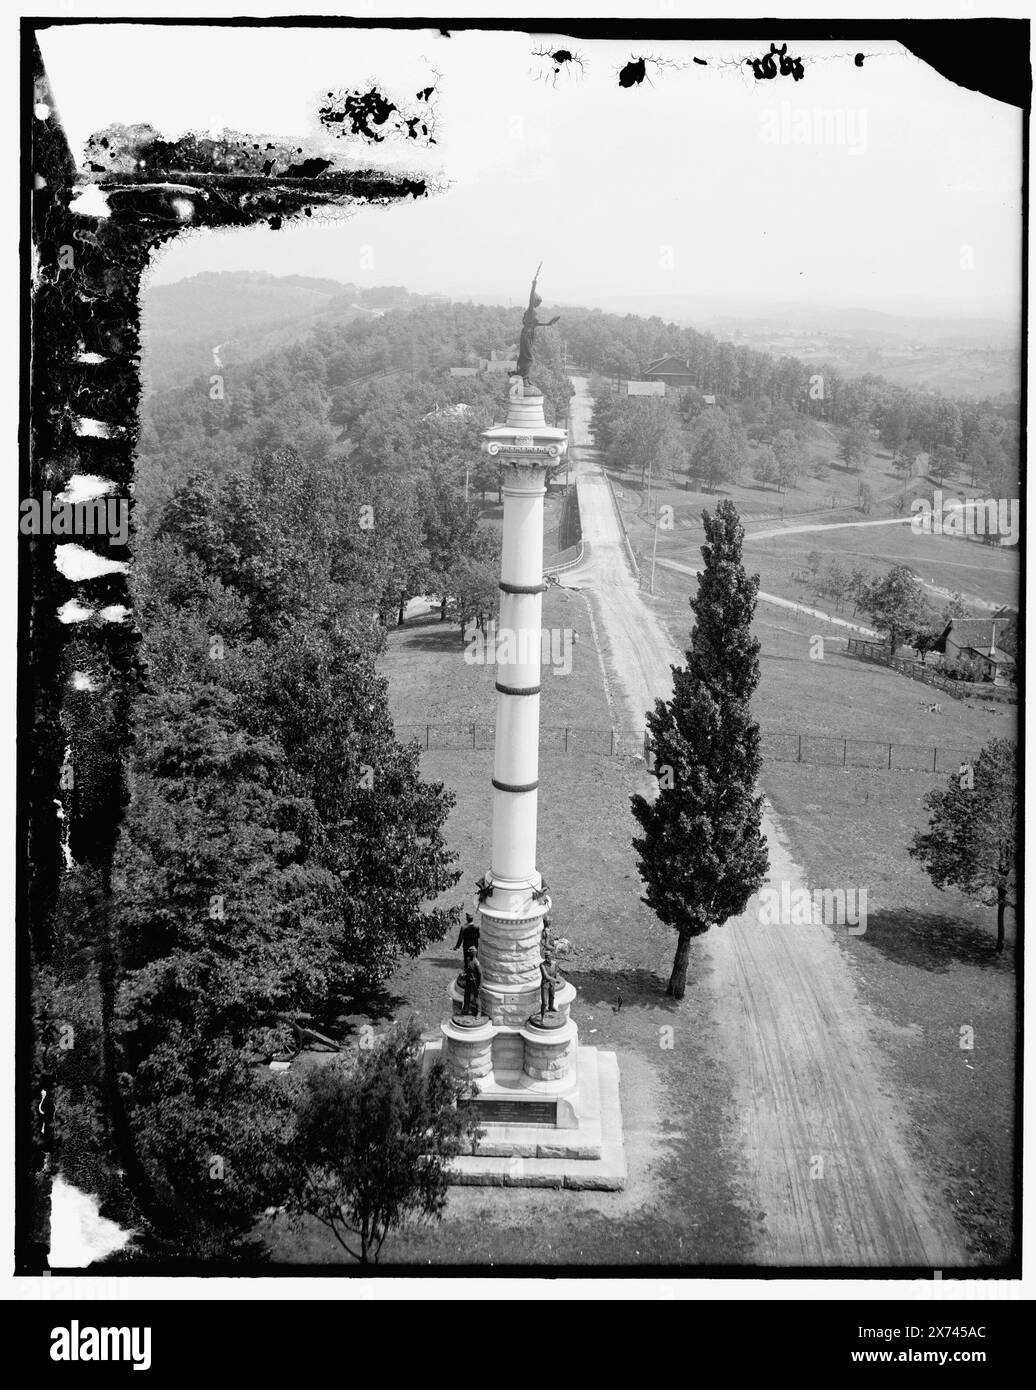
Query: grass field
pixel 981 574
pixel 839 696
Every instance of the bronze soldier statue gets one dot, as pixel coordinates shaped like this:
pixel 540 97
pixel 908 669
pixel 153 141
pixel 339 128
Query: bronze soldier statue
pixel 548 983
pixel 530 323
pixel 546 939
pixel 472 983
pixel 467 936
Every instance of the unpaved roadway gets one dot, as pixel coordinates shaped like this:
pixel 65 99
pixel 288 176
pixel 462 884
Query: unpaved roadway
pixel 825 1162
pixel 779 602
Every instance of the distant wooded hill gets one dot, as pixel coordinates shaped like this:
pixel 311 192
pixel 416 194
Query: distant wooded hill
pixel 241 315
pixel 297 356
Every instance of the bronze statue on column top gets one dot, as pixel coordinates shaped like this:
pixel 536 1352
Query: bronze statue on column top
pixel 530 323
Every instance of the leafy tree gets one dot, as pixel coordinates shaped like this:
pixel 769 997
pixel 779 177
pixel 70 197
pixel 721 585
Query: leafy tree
pixel 941 461
pixel 956 607
pixel 865 500
pixel 379 826
pixel 217 912
pixel 450 531
pixel 478 591
pixel 788 460
pixel 924 639
pixel 857 586
pixel 855 444
pixel 971 839
pixel 896 604
pixel 374 1141
pixel 814 560
pixel 895 429
pixel 716 448
pixel 702 854
pixel 765 470
pixel 408 569
pixel 903 457
pixel 835 582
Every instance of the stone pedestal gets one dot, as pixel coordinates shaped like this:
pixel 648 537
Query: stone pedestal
pixel 549 1052
pixel 469 1051
pixel 539 1095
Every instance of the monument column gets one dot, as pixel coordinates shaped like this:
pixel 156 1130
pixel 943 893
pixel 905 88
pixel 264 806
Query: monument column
pixel 550 1109
pixel 513 900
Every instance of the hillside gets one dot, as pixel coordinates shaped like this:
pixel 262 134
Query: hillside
pixel 237 314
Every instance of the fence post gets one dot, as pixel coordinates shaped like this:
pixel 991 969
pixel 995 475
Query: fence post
pixel 472 735
pixel 935 757
pixel 613 743
pixel 566 738
pixel 427 733
pixel 890 757
pixel 845 749
pixel 799 759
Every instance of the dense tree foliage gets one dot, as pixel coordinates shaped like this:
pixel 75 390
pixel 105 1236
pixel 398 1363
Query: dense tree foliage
pixel 702 853
pixel 374 1141
pixel 897 605
pixel 978 438
pixel 971 843
pixel 279 844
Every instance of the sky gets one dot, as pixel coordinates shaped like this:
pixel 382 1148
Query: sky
pixel 880 186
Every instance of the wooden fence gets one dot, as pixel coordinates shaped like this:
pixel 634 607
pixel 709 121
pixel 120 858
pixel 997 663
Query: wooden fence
pixel 878 652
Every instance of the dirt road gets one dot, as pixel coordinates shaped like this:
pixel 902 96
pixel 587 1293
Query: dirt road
pixel 824 526
pixel 779 602
pixel 824 1158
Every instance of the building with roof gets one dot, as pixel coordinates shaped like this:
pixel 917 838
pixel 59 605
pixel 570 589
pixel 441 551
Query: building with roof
pixel 975 640
pixel 674 371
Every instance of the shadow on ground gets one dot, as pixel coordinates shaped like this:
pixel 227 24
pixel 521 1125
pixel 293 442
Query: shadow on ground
pixel 377 1004
pixel 637 989
pixel 933 941
pixel 430 637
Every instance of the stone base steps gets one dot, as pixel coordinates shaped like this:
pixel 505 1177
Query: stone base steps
pixel 589 1158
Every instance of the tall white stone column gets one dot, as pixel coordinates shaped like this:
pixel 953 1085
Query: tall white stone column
pixel 511 913
pixel 549 1107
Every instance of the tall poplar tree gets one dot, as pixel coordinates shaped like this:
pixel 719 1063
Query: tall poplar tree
pixel 702 853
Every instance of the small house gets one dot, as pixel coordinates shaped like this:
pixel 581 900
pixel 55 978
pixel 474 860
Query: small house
pixel 975 640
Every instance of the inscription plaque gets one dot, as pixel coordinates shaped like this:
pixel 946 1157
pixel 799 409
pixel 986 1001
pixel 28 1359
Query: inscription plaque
pixel 515 1112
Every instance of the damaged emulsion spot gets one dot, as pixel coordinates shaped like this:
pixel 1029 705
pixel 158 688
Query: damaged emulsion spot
pixel 633 73
pixel 224 180
pixel 372 116
pixel 96 224
pixel 560 60
pixel 765 69
pixel 75 562
pixel 636 70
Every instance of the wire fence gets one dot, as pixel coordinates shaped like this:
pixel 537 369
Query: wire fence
pixel 814 750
